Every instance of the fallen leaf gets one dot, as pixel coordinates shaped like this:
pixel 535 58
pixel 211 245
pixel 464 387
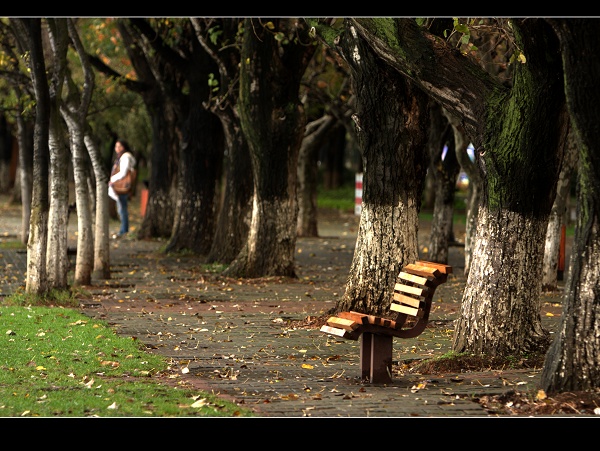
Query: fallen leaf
pixel 200 403
pixel 110 363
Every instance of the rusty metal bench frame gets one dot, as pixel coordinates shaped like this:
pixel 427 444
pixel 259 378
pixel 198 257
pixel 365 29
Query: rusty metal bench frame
pixel 413 294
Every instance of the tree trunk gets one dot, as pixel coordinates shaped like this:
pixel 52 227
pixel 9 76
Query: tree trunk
pixel 201 148
pixel 445 169
pixel 572 362
pixel 559 215
pixel 516 132
pixel 56 257
pixel 391 122
pixel 474 192
pixel 101 229
pixel 25 139
pixel 84 263
pixel 308 169
pixel 233 221
pixel 235 212
pixel 74 111
pixel 29 32
pixel 164 115
pixel 493 320
pixel 273 121
pixel 200 165
pixel 160 208
pixel 332 158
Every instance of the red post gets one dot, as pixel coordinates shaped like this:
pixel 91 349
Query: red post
pixel 143 201
pixel 358 193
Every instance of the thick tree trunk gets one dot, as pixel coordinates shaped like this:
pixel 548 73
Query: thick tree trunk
pixel 494 319
pixel 160 207
pixel 573 361
pixel 56 257
pixel 29 32
pixel 201 149
pixel 273 121
pixel 235 214
pixel 201 158
pixel 391 122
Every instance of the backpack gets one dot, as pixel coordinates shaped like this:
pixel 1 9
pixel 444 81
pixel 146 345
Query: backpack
pixel 128 184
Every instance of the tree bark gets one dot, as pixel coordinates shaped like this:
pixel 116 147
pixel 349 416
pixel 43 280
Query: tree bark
pixel 57 262
pixel 235 212
pixel 572 362
pixel 308 171
pixel 25 138
pixel 273 121
pixel 74 110
pixel 474 192
pixel 30 33
pixel 391 124
pixel 445 169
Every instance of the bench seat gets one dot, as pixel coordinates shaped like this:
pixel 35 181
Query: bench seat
pixel 410 302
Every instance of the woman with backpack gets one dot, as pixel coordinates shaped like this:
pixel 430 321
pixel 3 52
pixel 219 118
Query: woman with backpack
pixel 124 162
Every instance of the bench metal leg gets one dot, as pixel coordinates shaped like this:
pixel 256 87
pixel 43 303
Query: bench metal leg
pixel 376 358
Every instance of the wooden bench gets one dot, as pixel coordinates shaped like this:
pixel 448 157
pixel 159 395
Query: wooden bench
pixel 413 293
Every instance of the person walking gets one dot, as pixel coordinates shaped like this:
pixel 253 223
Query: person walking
pixel 124 161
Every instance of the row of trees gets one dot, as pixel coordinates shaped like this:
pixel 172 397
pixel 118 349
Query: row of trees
pixel 513 87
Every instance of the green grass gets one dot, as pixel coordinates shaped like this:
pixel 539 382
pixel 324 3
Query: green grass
pixel 340 198
pixel 12 244
pixel 56 362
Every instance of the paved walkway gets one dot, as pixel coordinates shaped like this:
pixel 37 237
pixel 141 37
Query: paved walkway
pixel 237 338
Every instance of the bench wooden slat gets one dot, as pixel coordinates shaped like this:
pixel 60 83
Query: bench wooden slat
pixel 343 323
pixel 333 331
pixel 444 269
pixel 412 278
pixel 348 335
pixel 406 309
pixel 423 271
pixel 401 299
pixel 359 318
pixel 419 291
